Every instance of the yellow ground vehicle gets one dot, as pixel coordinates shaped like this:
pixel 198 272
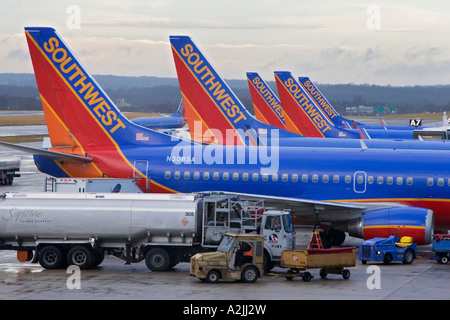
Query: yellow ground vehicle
pixel 330 261
pixel 238 257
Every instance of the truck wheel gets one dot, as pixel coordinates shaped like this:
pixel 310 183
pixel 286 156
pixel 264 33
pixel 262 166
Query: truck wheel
pixel 387 258
pixel 249 274
pixel 213 276
pixel 80 256
pixel 50 257
pixel 444 259
pixel 408 258
pixel 98 257
pixel 306 276
pixel 346 274
pixel 267 262
pixel 157 259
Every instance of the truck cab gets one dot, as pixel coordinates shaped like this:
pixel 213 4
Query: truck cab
pixel 224 214
pixel 238 257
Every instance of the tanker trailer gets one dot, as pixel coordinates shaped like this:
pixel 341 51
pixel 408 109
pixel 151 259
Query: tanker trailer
pixel 63 229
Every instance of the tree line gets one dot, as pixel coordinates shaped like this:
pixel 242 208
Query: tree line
pixel 147 94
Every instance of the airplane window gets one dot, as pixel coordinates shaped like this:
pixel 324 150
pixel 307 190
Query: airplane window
pixel 304 177
pixel 315 178
pixel 294 177
pixel 216 176
pixel 167 175
pixel 370 179
pixel 226 176
pixel 336 178
pixel 206 175
pixel 440 182
pixel 255 177
pixel 409 181
pixel 196 175
pixel 187 175
pixel 399 181
pixel 176 174
pixel 265 177
pixel 275 177
pixel 389 180
pixel 284 177
pixel 448 182
pixel 430 181
pixel 359 179
pixel 245 176
pixel 235 176
pixel 380 180
pixel 348 179
pixel 325 178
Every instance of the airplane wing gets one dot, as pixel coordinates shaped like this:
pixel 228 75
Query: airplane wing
pixel 323 211
pixel 52 154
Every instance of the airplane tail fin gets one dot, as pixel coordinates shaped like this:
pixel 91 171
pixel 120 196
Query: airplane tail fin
pixel 181 112
pixel 266 104
pixel 211 106
pixel 306 116
pixel 325 106
pixel 80 116
pixel 76 107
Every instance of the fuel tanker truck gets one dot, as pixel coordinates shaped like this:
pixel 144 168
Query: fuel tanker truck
pixel 61 229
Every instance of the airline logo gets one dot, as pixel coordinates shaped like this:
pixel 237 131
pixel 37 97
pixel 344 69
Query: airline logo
pixel 78 79
pixel 267 94
pixel 216 88
pixel 318 98
pixel 304 102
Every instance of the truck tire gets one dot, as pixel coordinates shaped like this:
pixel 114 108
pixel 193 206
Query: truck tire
pixel 80 256
pixel 267 262
pixel 387 258
pixel 443 259
pixel 50 257
pixel 346 274
pixel 213 276
pixel 157 259
pixel 98 257
pixel 249 274
pixel 408 257
pixel 306 276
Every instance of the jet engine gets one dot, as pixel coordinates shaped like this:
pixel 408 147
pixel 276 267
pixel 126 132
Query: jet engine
pixel 401 221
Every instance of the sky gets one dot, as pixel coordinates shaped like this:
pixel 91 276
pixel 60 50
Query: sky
pixel 398 43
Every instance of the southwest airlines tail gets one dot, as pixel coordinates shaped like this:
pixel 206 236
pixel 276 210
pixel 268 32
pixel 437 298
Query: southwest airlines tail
pixel 212 108
pixel 81 119
pixel 266 104
pixel 339 121
pixel 327 109
pixel 306 117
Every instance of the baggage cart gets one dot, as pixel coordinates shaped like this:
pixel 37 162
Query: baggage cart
pixel 330 261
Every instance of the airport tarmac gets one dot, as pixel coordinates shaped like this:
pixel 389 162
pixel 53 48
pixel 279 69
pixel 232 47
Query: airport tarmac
pixel 424 279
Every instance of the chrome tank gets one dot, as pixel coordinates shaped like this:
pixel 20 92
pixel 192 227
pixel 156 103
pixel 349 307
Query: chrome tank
pixel 157 218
